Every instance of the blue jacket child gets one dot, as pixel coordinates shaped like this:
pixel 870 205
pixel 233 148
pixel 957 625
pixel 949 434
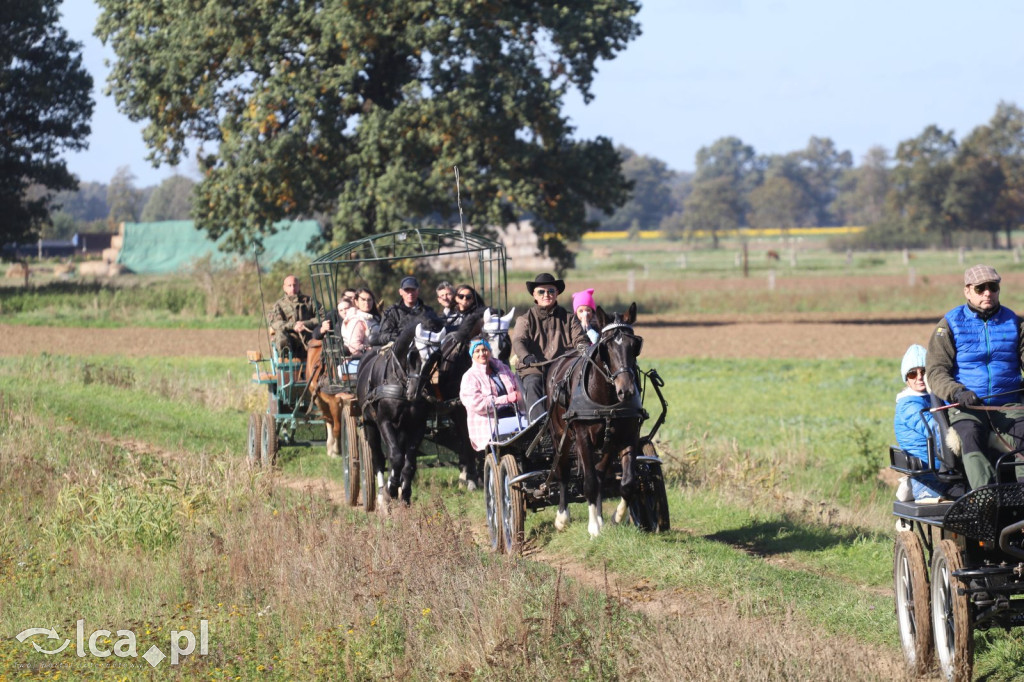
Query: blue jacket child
pixel 911 431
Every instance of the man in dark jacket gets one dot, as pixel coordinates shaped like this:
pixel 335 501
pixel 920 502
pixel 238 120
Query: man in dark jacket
pixel 546 331
pixel 394 317
pixel 974 361
pixel 292 320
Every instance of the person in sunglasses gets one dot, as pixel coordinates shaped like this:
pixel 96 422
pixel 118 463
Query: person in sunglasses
pixel 911 431
pixel 466 302
pixel 974 362
pixel 546 331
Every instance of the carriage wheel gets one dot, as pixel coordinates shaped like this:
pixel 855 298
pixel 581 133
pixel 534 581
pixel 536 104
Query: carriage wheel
pixel 951 615
pixel 367 476
pixel 649 507
pixel 913 617
pixel 350 455
pixel 268 441
pixel 253 451
pixel 492 502
pixel 513 506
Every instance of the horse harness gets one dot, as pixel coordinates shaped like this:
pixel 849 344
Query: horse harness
pixel 580 405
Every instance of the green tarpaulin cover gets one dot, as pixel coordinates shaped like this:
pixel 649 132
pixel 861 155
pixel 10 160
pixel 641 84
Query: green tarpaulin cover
pixel 175 245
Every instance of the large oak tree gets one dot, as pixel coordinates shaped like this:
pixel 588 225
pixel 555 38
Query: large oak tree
pixel 359 109
pixel 45 107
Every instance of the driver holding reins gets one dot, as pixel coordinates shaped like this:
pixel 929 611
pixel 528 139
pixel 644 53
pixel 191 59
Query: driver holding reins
pixel 974 360
pixel 546 331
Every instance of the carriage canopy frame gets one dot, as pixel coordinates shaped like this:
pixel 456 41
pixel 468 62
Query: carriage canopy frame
pixel 445 251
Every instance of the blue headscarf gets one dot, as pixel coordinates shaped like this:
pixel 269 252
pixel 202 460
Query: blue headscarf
pixel 478 342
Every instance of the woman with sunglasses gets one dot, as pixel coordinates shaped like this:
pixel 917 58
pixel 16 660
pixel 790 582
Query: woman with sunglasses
pixel 467 302
pixel 546 331
pixel 912 432
pixel 974 360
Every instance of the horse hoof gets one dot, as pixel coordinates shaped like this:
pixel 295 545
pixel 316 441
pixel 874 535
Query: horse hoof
pixel 561 520
pixel 470 485
pixel 620 511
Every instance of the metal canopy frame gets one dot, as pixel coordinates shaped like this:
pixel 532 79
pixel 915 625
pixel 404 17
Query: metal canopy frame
pixel 446 250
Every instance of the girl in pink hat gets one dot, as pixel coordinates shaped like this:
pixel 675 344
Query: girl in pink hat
pixel 583 308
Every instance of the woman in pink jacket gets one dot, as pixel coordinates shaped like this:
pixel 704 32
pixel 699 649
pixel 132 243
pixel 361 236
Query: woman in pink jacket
pixel 489 390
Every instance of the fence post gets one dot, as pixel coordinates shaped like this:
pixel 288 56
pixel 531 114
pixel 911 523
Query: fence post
pixel 771 280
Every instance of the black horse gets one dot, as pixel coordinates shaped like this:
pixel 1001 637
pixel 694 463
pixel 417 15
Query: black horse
pixel 453 362
pixel 390 388
pixel 595 411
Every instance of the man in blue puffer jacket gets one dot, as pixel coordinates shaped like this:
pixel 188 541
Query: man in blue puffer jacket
pixel 974 360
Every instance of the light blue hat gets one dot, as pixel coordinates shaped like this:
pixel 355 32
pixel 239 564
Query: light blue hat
pixel 478 342
pixel 914 357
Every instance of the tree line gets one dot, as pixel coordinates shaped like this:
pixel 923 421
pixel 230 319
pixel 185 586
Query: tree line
pixel 358 115
pixel 935 190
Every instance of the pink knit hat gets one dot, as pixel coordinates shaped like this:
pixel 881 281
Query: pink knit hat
pixel 585 297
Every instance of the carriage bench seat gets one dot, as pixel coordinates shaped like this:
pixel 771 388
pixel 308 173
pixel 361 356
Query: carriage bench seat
pixel 920 510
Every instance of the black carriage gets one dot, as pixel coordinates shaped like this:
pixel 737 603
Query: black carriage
pixel 958 566
pixel 518 468
pixel 385 258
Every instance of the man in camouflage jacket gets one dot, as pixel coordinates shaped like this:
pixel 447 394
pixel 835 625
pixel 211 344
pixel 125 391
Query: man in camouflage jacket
pixel 292 320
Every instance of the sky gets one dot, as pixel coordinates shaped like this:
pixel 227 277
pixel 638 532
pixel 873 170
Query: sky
pixel 773 73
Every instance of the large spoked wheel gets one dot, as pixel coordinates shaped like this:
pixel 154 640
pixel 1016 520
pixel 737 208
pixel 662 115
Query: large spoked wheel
pixel 913 617
pixel 350 455
pixel 951 615
pixel 252 449
pixel 513 506
pixel 492 502
pixel 268 441
pixel 367 479
pixel 649 507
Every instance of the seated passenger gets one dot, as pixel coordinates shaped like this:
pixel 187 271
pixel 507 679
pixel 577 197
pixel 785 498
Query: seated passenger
pixel 545 332
pixel 292 320
pixel 410 305
pixel 583 308
pixel 336 318
pixel 911 432
pixel 490 392
pixel 467 302
pixel 358 325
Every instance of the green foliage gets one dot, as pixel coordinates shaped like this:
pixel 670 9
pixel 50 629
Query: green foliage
pixel 44 110
pixel 366 120
pixel 172 200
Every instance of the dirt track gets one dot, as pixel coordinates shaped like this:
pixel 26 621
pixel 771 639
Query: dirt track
pixel 803 337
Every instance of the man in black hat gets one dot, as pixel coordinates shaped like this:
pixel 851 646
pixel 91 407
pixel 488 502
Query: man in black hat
pixel 394 317
pixel 974 362
pixel 546 331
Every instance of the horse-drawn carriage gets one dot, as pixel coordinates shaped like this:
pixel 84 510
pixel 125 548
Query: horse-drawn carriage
pixel 974 548
pixel 585 447
pixel 288 407
pixel 422 353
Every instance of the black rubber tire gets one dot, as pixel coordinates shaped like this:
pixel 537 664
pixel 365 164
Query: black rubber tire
pixel 513 506
pixel 367 476
pixel 913 612
pixel 350 455
pixel 952 621
pixel 493 502
pixel 268 441
pixel 253 450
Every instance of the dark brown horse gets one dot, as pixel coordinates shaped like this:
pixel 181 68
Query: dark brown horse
pixel 595 410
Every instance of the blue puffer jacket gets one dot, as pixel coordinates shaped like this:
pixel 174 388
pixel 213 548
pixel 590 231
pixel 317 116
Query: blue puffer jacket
pixel 987 359
pixel 911 435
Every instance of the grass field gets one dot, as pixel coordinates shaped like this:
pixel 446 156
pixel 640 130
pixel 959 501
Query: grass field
pixel 126 503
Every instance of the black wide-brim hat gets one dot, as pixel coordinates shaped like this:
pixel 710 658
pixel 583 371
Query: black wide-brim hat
pixel 545 278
